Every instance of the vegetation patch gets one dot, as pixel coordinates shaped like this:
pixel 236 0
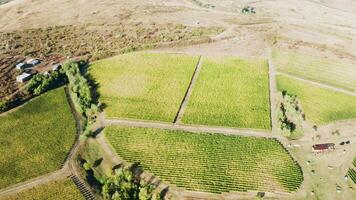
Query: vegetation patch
pixel 339 73
pixel 98 41
pixel 58 190
pixel 35 138
pixel 208 162
pixel 230 92
pixel 352 171
pixel 146 86
pixel 320 105
pixel 290 116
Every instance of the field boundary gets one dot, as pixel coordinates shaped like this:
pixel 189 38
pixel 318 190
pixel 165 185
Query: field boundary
pixel 190 128
pixel 188 93
pixel 40 180
pixel 322 85
pixel 272 92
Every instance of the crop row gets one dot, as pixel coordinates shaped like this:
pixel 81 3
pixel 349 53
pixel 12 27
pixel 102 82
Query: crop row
pixel 208 162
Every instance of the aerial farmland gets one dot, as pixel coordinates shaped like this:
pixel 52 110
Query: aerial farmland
pixel 179 99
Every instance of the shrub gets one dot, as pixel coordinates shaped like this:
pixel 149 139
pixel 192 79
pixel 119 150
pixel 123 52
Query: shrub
pixel 4 105
pixel 41 83
pixel 290 116
pixel 124 185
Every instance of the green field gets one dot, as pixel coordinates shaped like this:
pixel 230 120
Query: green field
pixel 147 86
pixel 208 162
pixel 338 73
pixel 35 138
pixel 60 190
pixel 230 92
pixel 321 106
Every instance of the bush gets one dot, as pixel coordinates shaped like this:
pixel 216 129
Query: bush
pixel 41 83
pixel 4 106
pixel 290 116
pixel 124 185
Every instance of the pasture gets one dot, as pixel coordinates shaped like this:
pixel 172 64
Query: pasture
pixel 35 138
pixel 337 73
pixel 321 106
pixel 208 162
pixel 148 86
pixel 59 190
pixel 230 92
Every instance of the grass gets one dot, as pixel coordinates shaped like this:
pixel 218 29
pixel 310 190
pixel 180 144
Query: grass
pixel 208 162
pixel 35 138
pixel 59 190
pixel 147 86
pixel 321 106
pixel 230 92
pixel 325 70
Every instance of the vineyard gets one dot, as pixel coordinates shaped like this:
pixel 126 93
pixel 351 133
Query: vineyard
pixel 320 105
pixel 230 92
pixel 338 73
pixel 35 138
pixel 352 172
pixel 208 162
pixel 146 86
pixel 59 190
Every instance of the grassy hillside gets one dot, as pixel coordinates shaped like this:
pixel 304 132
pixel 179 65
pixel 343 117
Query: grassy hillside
pixel 146 86
pixel 35 138
pixel 231 92
pixel 59 190
pixel 208 162
pixel 333 72
pixel 320 105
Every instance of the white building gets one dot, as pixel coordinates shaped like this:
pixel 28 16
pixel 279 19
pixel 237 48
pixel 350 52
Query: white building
pixel 23 77
pixel 21 66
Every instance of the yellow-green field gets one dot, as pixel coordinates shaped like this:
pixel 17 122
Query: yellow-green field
pixel 35 138
pixel 208 162
pixel 60 190
pixel 321 106
pixel 338 73
pixel 147 86
pixel 230 92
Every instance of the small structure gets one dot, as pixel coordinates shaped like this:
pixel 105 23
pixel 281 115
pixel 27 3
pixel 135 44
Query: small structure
pixel 33 62
pixel 319 148
pixel 21 66
pixel 56 67
pixel 23 77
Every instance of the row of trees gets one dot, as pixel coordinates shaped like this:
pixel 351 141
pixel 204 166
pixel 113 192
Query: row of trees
pixel 290 116
pixel 81 93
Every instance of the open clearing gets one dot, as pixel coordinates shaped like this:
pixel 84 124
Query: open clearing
pixel 208 162
pixel 35 138
pixel 145 86
pixel 325 70
pixel 60 190
pixel 230 92
pixel 320 105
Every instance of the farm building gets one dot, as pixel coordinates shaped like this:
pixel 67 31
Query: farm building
pixel 33 62
pixel 21 65
pixel 23 77
pixel 318 148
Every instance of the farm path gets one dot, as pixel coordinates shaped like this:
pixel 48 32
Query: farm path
pixel 189 128
pixel 336 89
pixel 272 91
pixel 188 93
pixel 57 175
